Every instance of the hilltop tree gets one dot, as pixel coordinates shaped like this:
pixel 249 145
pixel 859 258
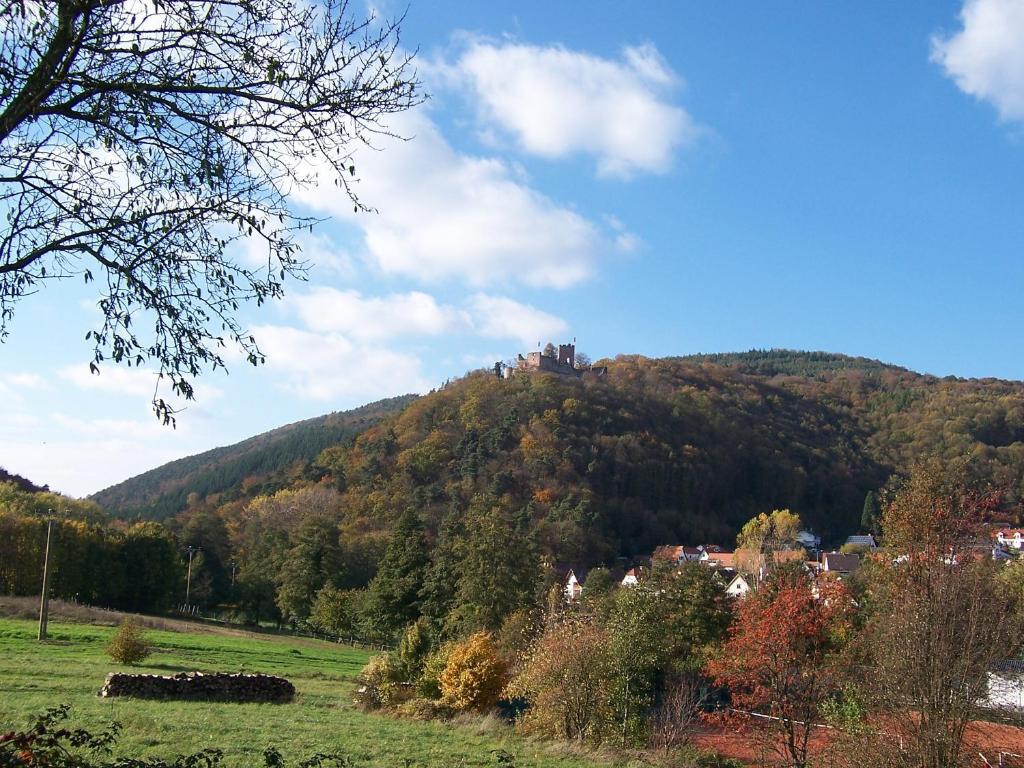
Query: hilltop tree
pixel 141 145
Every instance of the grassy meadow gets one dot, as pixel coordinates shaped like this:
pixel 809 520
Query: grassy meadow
pixel 71 666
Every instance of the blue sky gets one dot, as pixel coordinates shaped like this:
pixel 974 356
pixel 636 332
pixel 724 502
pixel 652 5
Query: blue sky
pixel 659 178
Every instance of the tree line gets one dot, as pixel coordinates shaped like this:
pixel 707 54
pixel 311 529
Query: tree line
pixel 93 560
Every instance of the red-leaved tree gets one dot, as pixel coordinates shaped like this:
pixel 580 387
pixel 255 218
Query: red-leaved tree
pixel 782 656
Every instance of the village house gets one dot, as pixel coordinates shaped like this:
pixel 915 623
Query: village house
pixel 677 554
pixel 808 540
pixel 633 576
pixel 719 559
pixel 1006 687
pixel 736 584
pixel 1011 538
pixel 865 540
pixel 574 585
pixel 840 564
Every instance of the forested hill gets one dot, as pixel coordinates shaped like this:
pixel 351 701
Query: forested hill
pixel 260 464
pixel 670 450
pixel 674 449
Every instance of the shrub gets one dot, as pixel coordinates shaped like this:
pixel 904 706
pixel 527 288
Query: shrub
pixel 429 686
pixel 128 645
pixel 378 685
pixel 412 651
pixel 567 680
pixel 422 709
pixel 475 674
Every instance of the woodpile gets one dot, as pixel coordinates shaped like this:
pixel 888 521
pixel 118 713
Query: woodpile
pixel 200 686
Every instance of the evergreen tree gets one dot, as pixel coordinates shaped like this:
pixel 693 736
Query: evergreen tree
pixel 437 596
pixel 395 590
pixel 869 515
pixel 498 569
pixel 313 562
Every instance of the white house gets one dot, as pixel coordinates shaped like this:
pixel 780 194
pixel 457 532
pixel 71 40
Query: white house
pixel 573 586
pixel 632 577
pixel 1012 538
pixel 738 586
pixel 808 540
pixel 1006 686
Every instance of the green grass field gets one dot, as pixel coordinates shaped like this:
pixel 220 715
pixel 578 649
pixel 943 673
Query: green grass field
pixel 71 666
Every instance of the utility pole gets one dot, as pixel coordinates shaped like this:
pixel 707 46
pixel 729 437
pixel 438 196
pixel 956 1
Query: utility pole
pixel 188 580
pixel 44 601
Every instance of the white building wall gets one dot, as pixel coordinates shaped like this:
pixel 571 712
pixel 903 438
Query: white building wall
pixel 1006 692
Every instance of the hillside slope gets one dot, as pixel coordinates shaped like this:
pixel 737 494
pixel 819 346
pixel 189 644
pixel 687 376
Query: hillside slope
pixel 676 449
pixel 259 464
pixel 673 449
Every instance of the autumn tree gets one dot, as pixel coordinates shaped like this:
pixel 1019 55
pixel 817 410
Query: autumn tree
pixel 943 612
pixel 142 143
pixel 762 537
pixel 567 680
pixel 475 674
pixel 782 656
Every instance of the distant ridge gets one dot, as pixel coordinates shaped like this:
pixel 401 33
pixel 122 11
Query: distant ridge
pixel 23 483
pixel 262 461
pixel 791 362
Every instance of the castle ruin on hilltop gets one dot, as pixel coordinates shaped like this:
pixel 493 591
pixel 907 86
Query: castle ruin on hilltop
pixel 561 361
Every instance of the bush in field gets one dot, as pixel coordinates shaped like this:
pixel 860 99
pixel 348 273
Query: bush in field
pixel 378 685
pixel 412 651
pixel 429 684
pixel 567 679
pixel 129 644
pixel 475 674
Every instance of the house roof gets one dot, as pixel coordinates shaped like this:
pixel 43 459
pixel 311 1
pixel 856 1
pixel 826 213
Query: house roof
pixel 837 561
pixel 579 573
pixel 788 555
pixel 727 574
pixel 1009 533
pixel 1008 668
pixel 665 552
pixel 723 559
pixel 861 539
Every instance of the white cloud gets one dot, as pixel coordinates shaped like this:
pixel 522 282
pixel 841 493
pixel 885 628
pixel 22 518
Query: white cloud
pixel 443 215
pixel 404 315
pixel 327 366
pixel 25 380
pixel 497 317
pixel 137 382
pixel 556 103
pixel 986 57
pixel 372 318
pixel 79 455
